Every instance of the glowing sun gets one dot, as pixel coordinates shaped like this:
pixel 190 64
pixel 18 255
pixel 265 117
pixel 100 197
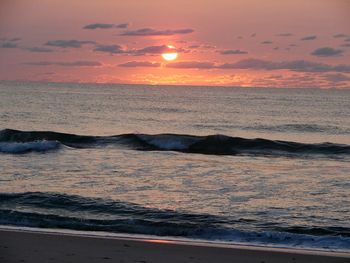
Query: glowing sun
pixel 169 56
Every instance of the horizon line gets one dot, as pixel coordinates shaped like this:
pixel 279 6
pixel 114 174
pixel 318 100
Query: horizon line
pixel 172 85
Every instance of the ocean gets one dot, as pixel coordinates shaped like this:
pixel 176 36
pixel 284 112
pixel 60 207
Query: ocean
pixel 256 166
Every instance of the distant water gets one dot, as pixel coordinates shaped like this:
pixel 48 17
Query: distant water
pixel 260 166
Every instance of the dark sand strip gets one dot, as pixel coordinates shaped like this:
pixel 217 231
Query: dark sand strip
pixel 39 247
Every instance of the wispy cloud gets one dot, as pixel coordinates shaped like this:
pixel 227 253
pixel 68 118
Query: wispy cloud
pixel 153 50
pixel 105 26
pixel 14 39
pixel 9 42
pixel 111 49
pixel 155 32
pixel 232 52
pixel 340 36
pixel 98 26
pixel 150 50
pixel 327 52
pixel 80 63
pixel 284 35
pixel 308 38
pixel 123 25
pixel 267 42
pixel 68 43
pixel 39 49
pixel 9 45
pixel 194 46
pixel 336 77
pixel 134 64
pixel 202 46
pixel 191 65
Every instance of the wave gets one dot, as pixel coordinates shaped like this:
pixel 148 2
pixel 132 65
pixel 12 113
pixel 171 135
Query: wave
pixel 24 147
pixel 211 144
pixel 53 210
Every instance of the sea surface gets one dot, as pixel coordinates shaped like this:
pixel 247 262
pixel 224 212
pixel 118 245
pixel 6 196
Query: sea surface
pixel 241 165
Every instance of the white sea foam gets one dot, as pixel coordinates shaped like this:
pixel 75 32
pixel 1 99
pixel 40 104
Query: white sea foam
pixel 168 142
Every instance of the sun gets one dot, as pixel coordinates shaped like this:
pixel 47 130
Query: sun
pixel 170 56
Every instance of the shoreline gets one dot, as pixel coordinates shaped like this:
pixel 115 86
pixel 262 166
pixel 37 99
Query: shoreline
pixel 43 245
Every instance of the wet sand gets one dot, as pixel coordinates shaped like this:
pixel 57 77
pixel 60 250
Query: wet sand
pixel 35 247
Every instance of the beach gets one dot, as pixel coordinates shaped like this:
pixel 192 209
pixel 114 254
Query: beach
pixel 32 246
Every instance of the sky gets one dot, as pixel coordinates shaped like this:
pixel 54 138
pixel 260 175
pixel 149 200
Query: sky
pixel 248 43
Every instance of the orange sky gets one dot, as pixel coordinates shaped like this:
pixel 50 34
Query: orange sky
pixel 273 43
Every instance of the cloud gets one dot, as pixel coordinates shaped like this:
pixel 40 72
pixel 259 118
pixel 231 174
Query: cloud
pixel 347 40
pixel 336 77
pixel 39 49
pixel 68 43
pixel 81 63
pixel 346 45
pixel 150 50
pixel 194 46
pixel 284 35
pixel 191 64
pixel 340 36
pixel 308 38
pixel 253 35
pixel 98 26
pixel 153 50
pixel 134 64
pixel 105 26
pixel 111 49
pixel 154 32
pixel 123 25
pixel 15 39
pixel 259 64
pixel 327 52
pixel 293 65
pixel 204 46
pixel 208 46
pixel 267 42
pixel 233 52
pixel 9 45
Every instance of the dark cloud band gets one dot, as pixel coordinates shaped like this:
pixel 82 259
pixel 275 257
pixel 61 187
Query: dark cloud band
pixel 327 52
pixel 68 43
pixel 81 63
pixel 134 64
pixel 105 26
pixel 154 32
pixel 259 64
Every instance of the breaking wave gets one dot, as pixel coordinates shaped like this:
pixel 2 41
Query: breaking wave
pixel 53 210
pixel 14 141
pixel 24 147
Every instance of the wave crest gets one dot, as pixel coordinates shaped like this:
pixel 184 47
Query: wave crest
pixel 211 144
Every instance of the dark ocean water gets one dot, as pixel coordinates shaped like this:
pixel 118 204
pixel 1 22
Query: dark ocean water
pixel 259 166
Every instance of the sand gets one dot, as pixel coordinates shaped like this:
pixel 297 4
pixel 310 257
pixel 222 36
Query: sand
pixel 39 247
